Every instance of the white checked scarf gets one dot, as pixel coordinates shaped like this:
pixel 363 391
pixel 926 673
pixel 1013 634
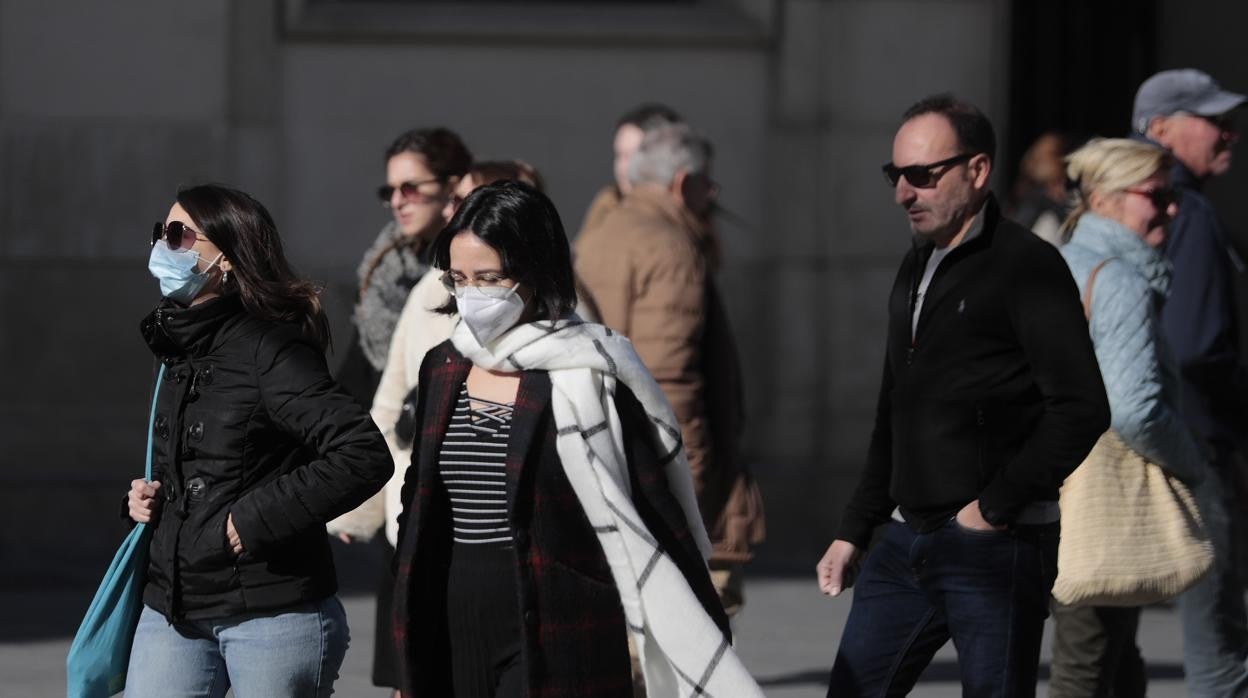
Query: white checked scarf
pixel 682 651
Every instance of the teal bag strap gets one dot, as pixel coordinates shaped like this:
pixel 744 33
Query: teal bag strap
pixel 151 423
pixel 99 656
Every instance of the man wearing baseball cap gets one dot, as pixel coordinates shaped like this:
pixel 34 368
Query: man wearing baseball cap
pixel 1187 112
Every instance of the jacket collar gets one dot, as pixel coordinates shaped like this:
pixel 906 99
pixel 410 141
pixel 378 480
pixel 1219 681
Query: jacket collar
pixel 1182 177
pixel 173 331
pixel 950 274
pixel 1108 238
pixel 659 203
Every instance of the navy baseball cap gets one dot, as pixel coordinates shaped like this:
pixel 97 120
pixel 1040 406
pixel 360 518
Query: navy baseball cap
pixel 1171 91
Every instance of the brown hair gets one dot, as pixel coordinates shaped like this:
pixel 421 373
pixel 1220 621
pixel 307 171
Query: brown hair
pixel 446 156
pixel 245 233
pixel 491 171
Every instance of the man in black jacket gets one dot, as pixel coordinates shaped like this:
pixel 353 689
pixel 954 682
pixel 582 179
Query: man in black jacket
pixel 1189 114
pixel 991 396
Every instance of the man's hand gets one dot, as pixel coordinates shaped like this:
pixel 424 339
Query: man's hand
pixel 143 500
pixel 236 543
pixel 838 567
pixel 970 517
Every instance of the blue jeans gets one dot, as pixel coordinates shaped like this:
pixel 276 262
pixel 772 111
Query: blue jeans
pixel 1215 640
pixel 290 653
pixel 987 590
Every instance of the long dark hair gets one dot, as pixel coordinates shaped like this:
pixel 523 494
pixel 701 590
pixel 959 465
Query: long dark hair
pixel 243 230
pixel 521 224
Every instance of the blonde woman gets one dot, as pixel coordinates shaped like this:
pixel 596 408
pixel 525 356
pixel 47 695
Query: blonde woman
pixel 1124 202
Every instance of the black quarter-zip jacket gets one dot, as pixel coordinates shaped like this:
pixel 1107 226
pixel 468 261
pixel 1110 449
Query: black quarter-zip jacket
pixel 996 395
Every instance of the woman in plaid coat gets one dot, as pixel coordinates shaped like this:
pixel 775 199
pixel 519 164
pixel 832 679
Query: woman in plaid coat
pixel 511 554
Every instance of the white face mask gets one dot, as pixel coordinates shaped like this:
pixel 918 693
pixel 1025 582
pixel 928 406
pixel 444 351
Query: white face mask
pixel 489 311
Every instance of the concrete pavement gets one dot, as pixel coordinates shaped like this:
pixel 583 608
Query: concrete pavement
pixel 787 636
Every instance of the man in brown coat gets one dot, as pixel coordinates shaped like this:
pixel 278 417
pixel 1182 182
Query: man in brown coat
pixel 649 263
pixel 629 132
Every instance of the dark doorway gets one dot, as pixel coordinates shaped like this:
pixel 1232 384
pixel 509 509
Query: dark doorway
pixel 1074 68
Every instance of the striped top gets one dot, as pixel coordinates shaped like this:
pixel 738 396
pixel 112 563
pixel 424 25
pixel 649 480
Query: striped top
pixel 474 471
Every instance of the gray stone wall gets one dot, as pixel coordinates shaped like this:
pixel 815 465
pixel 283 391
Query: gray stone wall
pixel 106 109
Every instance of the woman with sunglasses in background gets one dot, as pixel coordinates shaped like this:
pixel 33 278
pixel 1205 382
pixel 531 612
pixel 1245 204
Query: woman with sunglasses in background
pixel 419 328
pixel 254 448
pixel 1123 204
pixel 549 511
pixel 422 168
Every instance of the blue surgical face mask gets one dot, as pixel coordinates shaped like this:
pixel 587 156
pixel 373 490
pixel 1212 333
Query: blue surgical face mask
pixel 175 269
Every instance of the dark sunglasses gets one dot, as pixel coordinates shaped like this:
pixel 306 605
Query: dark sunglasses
pixel 1161 197
pixel 176 235
pixel 1223 122
pixel 922 176
pixel 409 190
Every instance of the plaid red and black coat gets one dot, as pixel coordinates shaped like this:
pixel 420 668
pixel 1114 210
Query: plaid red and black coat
pixel 574 629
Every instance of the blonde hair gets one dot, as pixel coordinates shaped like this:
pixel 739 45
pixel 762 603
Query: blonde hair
pixel 1108 165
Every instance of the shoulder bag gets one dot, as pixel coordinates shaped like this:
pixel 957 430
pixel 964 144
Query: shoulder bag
pixel 100 653
pixel 1131 533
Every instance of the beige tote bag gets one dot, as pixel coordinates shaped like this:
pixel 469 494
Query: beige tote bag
pixel 1131 533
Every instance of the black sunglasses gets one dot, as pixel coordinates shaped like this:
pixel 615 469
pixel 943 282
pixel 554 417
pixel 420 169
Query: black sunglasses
pixel 1161 197
pixel 1224 122
pixel 409 190
pixel 922 176
pixel 176 235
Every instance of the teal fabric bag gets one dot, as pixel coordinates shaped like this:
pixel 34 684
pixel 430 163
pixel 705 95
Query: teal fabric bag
pixel 97 660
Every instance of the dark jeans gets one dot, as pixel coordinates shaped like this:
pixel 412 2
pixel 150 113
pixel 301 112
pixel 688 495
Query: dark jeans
pixel 1215 629
pixel 1094 653
pixel 988 591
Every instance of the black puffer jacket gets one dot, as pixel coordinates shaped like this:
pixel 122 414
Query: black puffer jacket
pixel 249 423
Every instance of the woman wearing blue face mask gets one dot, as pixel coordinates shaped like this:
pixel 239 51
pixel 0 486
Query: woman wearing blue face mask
pixel 254 448
pixel 548 514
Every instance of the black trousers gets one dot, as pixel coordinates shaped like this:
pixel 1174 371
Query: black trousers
pixel 1094 653
pixel 385 656
pixel 483 616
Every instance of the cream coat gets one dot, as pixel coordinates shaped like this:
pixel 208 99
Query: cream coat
pixel 419 329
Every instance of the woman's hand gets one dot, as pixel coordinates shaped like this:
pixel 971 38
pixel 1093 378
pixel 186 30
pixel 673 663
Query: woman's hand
pixel 143 500
pixel 236 543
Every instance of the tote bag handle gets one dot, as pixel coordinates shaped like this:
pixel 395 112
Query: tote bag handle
pixel 100 654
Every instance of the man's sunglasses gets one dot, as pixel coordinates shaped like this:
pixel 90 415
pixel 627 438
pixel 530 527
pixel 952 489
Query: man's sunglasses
pixel 1224 122
pixel 1161 197
pixel 410 191
pixel 176 235
pixel 922 176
